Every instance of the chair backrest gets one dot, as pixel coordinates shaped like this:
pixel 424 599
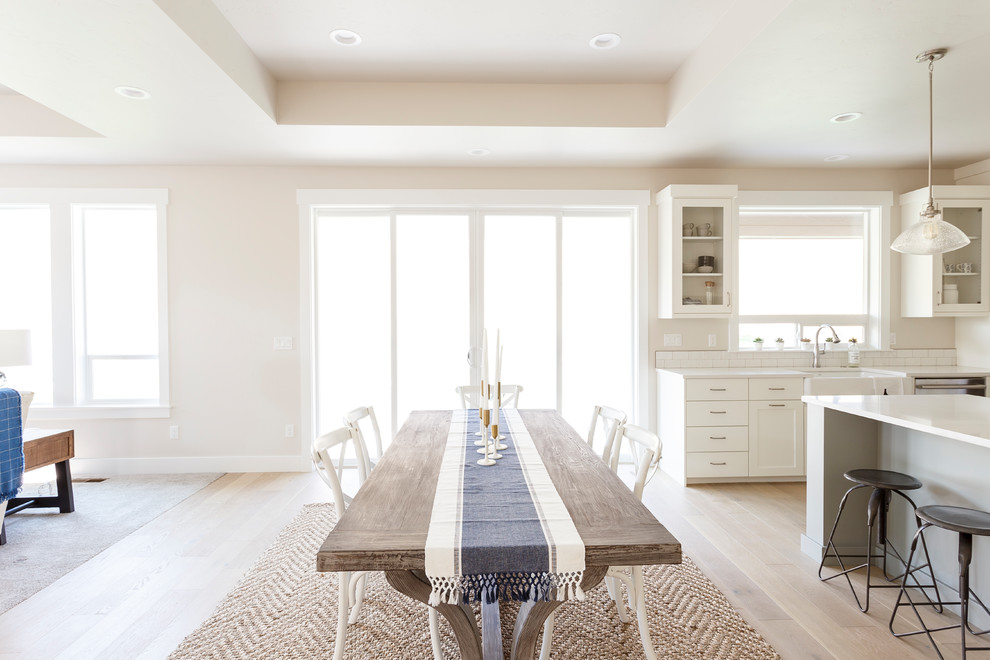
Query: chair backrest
pixel 645 447
pixel 332 471
pixel 610 421
pixel 366 415
pixel 469 395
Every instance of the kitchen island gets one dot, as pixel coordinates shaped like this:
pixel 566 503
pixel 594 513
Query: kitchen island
pixel 943 440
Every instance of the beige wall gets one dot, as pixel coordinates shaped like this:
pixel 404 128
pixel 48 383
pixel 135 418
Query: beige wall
pixel 233 245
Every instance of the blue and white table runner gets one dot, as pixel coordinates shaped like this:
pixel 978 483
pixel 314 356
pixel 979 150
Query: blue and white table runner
pixel 499 532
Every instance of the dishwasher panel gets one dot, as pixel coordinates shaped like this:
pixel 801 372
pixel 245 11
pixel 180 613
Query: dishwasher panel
pixel 975 385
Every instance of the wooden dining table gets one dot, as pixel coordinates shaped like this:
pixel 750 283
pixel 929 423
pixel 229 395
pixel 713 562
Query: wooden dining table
pixel 385 527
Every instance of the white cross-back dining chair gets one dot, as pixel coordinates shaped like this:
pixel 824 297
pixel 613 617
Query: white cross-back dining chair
pixel 350 594
pixel 645 447
pixel 606 423
pixel 365 416
pixel 469 395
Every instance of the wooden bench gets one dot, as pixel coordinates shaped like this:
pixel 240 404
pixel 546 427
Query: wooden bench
pixel 44 447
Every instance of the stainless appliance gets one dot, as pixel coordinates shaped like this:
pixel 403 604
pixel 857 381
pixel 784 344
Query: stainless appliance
pixel 976 385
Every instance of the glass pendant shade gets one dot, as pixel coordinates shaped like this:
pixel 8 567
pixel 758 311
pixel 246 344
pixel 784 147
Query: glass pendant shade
pixel 931 235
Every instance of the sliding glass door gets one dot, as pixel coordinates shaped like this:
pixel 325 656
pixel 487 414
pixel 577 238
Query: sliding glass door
pixel 402 296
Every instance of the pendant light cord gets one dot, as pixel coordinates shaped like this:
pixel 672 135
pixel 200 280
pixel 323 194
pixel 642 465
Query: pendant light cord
pixel 931 121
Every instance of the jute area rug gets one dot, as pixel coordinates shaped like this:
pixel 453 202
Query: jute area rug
pixel 283 608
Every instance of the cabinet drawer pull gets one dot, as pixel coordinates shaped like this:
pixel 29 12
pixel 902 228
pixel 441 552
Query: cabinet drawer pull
pixel 777 405
pixel 776 389
pixel 714 463
pixel 716 389
pixel 716 412
pixel 716 437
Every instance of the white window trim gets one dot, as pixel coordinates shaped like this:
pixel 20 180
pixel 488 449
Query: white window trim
pixel 60 202
pixel 879 203
pixel 310 200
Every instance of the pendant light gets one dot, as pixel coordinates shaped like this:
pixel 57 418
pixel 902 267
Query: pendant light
pixel 931 235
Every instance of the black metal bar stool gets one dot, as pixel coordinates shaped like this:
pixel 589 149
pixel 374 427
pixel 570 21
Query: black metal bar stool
pixel 967 522
pixel 884 483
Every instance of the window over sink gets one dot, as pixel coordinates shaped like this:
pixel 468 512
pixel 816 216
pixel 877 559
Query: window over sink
pixel 805 259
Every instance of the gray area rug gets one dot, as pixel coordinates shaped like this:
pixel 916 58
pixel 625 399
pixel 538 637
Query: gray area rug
pixel 43 544
pixel 283 608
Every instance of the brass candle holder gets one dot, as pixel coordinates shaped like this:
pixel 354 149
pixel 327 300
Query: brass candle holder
pixel 496 437
pixel 481 406
pixel 486 460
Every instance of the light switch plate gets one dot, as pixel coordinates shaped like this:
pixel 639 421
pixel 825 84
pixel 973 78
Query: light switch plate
pixel 672 340
pixel 712 341
pixel 283 343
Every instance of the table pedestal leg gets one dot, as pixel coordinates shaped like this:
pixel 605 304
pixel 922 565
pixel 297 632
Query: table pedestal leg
pixel 491 630
pixel 529 622
pixel 461 617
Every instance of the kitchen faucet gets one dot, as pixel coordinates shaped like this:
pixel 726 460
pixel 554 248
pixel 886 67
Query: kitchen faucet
pixel 815 363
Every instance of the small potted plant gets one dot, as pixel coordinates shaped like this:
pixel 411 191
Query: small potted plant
pixel 780 343
pixel 831 343
pixel 806 343
pixel 758 343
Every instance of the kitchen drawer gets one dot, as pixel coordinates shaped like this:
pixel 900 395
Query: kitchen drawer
pixel 768 389
pixel 716 413
pixel 716 438
pixel 717 464
pixel 715 389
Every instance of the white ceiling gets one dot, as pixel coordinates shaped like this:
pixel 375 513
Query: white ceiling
pixel 694 83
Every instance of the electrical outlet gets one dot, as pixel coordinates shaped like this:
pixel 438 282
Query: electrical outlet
pixel 712 340
pixel 290 431
pixel 672 340
pixel 173 433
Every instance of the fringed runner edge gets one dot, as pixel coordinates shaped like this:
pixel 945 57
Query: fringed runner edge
pixel 491 587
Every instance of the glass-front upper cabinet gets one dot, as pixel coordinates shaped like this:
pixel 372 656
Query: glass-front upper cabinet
pixel 697 230
pixel 954 283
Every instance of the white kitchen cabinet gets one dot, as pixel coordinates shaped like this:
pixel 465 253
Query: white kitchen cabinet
pixel 776 438
pixel 924 277
pixel 696 221
pixel 731 429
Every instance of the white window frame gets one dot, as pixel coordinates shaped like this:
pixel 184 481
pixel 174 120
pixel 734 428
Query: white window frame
pixel 69 365
pixel 471 201
pixel 877 206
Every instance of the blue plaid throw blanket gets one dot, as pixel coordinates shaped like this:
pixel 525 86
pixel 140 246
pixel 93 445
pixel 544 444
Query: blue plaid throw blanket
pixel 11 444
pixel 499 532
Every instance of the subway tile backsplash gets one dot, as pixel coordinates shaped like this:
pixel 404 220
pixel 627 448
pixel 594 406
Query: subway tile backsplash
pixel 942 357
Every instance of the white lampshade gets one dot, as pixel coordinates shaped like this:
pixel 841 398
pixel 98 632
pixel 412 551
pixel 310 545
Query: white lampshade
pixel 15 348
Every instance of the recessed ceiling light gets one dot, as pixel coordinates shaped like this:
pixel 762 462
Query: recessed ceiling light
pixel 129 92
pixel 345 37
pixel 846 117
pixel 836 158
pixel 605 41
pixel 479 152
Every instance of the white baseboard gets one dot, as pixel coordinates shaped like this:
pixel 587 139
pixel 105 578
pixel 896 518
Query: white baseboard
pixel 92 467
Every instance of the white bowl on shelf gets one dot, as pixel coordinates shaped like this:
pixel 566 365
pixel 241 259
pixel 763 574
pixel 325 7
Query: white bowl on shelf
pixel 705 269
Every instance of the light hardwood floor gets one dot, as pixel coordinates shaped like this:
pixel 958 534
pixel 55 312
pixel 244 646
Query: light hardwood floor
pixel 143 595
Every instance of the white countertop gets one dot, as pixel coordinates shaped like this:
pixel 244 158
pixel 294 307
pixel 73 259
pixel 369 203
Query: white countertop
pixel 908 371
pixel 957 416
